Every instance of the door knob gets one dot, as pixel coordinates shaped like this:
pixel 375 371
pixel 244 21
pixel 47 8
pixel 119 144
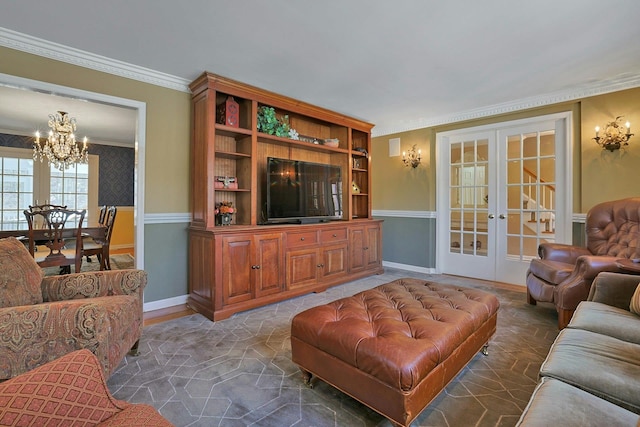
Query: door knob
pixel 502 216
pixel 491 216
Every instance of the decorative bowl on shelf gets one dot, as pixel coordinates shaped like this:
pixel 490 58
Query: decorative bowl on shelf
pixel 332 142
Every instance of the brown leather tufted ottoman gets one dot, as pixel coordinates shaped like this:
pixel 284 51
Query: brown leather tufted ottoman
pixel 396 346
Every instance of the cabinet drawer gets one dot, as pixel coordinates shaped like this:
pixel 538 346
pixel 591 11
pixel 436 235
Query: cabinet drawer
pixel 335 235
pixel 302 238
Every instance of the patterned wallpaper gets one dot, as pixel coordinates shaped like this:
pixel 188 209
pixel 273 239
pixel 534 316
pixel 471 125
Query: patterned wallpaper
pixel 115 186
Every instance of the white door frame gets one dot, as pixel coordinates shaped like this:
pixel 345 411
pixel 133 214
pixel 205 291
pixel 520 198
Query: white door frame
pixel 564 158
pixel 140 141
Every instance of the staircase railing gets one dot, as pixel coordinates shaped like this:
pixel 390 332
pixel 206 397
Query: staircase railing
pixel 546 196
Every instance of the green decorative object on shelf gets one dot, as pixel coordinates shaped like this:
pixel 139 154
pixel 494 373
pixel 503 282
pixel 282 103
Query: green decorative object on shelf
pixel 268 122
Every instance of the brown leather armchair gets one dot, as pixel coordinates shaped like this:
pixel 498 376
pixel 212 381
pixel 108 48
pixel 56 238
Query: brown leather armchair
pixel 564 273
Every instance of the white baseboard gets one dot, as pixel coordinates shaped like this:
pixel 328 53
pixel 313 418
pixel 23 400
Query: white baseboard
pixel 164 303
pixel 407 267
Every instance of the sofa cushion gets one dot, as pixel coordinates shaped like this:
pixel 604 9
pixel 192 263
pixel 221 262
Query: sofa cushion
pixel 556 403
pixel 634 305
pixel 607 320
pixel 603 366
pixel 20 275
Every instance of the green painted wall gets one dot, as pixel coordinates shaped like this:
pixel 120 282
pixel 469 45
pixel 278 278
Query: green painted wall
pixel 165 260
pixel 409 241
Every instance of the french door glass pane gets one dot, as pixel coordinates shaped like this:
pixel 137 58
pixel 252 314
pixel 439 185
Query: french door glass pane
pixel 469 184
pixel 530 193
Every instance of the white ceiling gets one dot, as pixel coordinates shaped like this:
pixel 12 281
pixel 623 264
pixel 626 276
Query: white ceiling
pixel 399 64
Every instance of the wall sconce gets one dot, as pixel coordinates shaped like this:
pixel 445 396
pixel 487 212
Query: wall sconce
pixel 615 135
pixel 412 157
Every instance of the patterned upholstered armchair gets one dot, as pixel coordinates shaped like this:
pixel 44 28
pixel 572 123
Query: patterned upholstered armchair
pixel 563 274
pixel 43 318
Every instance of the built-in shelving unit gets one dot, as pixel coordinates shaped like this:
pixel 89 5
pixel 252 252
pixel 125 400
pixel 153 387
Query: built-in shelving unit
pixel 227 269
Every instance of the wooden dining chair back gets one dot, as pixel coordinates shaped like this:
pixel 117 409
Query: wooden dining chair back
pixel 56 229
pixel 99 246
pixel 47 206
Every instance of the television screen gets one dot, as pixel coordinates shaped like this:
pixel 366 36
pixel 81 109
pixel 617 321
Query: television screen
pixel 300 191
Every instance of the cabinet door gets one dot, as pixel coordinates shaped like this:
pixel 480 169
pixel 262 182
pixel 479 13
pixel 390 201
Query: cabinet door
pixel 357 244
pixel 267 269
pixel 373 247
pixel 303 267
pixel 334 261
pixel 237 260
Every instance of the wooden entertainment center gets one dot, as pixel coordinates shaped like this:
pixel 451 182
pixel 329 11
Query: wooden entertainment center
pixel 245 265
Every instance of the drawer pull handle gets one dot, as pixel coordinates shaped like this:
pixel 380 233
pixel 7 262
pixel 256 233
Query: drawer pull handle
pixel 302 238
pixel 255 267
pixel 335 235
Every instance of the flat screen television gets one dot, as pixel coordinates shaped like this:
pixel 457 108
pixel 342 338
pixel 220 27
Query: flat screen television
pixel 302 192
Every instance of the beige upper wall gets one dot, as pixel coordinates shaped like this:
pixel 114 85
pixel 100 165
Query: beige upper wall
pixel 610 175
pixel 598 175
pixel 167 129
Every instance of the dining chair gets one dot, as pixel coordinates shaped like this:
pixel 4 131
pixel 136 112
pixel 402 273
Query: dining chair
pixel 53 228
pixel 99 246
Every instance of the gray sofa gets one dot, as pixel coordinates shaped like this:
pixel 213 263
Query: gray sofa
pixel 591 376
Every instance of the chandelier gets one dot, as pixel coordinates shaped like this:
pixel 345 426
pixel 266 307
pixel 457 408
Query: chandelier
pixel 60 148
pixel 615 135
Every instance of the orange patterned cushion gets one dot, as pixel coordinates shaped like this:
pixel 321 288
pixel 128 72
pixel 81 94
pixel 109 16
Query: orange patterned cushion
pixel 70 390
pixel 20 275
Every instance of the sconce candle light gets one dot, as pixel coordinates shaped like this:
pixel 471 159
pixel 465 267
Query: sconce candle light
pixel 615 135
pixel 412 157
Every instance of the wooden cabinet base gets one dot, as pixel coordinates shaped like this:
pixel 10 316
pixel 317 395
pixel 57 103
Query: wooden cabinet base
pixel 226 265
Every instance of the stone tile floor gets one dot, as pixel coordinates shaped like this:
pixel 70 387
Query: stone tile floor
pixel 238 372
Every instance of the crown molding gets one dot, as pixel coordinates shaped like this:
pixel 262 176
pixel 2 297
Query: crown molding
pixel 37 46
pixel 25 43
pixel 578 92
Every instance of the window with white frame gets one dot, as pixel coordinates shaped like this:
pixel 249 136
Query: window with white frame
pixel 25 183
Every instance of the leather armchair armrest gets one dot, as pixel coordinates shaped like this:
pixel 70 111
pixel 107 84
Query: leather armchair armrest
pixel 94 284
pixel 575 288
pixel 562 253
pixel 614 289
pixel 589 266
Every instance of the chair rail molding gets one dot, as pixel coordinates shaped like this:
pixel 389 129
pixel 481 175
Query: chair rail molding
pixel 167 218
pixel 403 214
pixel 579 218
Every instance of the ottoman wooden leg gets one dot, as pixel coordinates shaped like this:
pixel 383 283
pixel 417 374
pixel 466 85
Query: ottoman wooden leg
pixel 485 349
pixel 306 377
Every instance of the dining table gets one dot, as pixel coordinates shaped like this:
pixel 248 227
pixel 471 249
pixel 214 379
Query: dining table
pixel 95 231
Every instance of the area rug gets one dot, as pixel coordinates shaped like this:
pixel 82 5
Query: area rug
pixel 118 262
pixel 238 371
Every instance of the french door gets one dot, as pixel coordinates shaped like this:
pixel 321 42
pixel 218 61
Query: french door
pixel 502 190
